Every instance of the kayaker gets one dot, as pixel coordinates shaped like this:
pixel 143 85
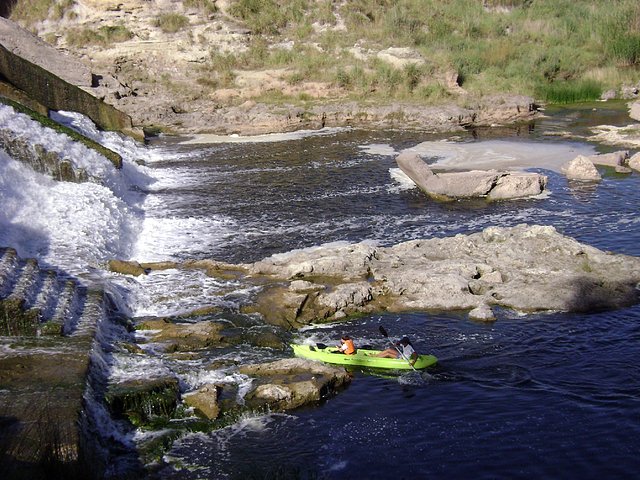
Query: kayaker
pixel 404 349
pixel 346 346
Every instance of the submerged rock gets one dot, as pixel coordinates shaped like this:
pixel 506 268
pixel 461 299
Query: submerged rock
pixel 141 401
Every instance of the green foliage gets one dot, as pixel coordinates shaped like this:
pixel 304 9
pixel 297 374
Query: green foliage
pixel 171 22
pixel 268 16
pixel 115 33
pixel 106 35
pixel 626 49
pixel 570 92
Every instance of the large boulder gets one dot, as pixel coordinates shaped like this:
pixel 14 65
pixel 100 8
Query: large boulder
pixel 490 184
pixel 291 383
pixel 204 401
pixel 634 162
pixel 612 159
pixel 580 168
pixel 517 185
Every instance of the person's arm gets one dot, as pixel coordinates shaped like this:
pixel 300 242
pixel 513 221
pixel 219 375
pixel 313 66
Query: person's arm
pixel 414 358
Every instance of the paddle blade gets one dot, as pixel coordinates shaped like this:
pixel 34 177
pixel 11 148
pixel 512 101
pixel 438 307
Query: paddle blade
pixel 383 331
pixel 321 346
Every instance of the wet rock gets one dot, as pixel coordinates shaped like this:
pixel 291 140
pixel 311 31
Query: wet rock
pixel 476 183
pixel 204 401
pixel 264 338
pixel 185 336
pixel 623 169
pixel 291 383
pixel 16 320
pixel 612 159
pixel 634 162
pixel 142 400
pixel 580 168
pixel 126 267
pixel 482 313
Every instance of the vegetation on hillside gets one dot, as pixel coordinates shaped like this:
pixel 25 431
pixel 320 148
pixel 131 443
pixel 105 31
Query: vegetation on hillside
pixel 555 50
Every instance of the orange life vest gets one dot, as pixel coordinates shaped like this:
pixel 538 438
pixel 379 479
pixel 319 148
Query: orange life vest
pixel 351 348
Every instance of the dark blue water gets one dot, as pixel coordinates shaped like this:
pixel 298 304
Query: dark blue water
pixel 540 396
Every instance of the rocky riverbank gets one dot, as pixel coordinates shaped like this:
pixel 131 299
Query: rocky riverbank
pixel 157 87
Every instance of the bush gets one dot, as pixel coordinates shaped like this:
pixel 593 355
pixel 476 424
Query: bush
pixel 206 6
pixel 171 22
pixel 106 35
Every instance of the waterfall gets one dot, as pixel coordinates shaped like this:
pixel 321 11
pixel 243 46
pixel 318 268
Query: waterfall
pixel 66 210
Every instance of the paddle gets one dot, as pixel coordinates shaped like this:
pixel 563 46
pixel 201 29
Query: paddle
pixel 386 335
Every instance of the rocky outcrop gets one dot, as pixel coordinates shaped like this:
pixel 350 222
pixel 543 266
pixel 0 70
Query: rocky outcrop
pixel 584 167
pixel 490 184
pixel 525 268
pixel 291 383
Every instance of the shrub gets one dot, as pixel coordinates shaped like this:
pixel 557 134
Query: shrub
pixel 206 6
pixel 105 35
pixel 266 16
pixel 115 33
pixel 171 22
pixel 32 11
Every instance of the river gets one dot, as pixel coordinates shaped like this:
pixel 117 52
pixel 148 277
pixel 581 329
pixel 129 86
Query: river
pixel 539 396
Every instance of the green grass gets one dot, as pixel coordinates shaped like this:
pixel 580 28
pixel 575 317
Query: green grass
pixel 552 48
pixel 105 35
pixel 570 92
pixel 544 47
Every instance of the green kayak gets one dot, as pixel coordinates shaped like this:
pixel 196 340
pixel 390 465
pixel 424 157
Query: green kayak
pixel 362 358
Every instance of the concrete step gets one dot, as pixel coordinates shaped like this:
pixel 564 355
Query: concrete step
pixel 8 264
